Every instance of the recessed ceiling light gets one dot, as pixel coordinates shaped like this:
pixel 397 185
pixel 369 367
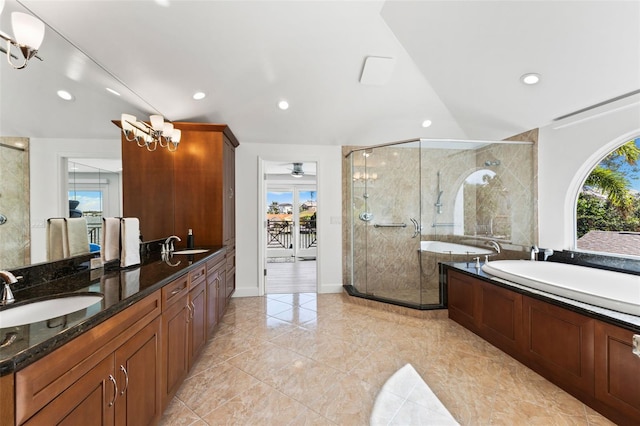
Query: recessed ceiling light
pixel 426 123
pixel 110 90
pixel 283 105
pixel 63 94
pixel 530 78
pixel 199 95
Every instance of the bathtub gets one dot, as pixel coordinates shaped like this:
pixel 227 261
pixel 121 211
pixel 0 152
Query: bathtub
pixel 607 289
pixel 452 248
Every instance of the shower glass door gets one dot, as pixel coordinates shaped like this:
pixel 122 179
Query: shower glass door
pixel 386 222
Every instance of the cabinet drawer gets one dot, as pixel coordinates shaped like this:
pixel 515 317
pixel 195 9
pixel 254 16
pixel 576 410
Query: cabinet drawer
pixel 197 276
pixel 215 263
pixel 173 291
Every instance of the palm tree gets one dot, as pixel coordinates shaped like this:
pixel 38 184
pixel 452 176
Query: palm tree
pixel 610 181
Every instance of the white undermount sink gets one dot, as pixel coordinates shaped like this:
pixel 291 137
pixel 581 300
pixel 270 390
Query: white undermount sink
pixel 46 309
pixel 191 251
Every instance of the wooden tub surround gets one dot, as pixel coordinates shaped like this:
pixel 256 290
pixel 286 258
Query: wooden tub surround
pixel 588 353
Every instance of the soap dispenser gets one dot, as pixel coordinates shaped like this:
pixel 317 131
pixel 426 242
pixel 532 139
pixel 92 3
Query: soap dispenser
pixel 190 239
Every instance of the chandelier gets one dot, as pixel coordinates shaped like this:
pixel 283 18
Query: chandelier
pixel 29 34
pixel 150 136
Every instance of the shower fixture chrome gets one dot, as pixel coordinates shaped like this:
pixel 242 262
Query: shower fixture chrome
pixel 438 203
pixel 366 216
pixel 489 163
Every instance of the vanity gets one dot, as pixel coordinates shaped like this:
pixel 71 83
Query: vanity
pixel 585 350
pixel 122 359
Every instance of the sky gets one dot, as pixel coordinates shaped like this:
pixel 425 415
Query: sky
pixel 89 200
pixel 287 197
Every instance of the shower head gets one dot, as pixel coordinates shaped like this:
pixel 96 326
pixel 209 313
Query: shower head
pixel 489 163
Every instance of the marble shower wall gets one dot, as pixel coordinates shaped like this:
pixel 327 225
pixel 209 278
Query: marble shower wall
pixel 15 233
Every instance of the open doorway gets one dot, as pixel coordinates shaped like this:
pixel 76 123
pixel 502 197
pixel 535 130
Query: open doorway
pixel 291 244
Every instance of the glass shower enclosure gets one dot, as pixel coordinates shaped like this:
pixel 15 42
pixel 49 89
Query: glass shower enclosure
pixel 414 204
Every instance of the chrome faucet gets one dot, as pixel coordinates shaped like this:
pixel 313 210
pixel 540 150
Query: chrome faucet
pixel 167 247
pixel 7 294
pixel 494 245
pixel 534 252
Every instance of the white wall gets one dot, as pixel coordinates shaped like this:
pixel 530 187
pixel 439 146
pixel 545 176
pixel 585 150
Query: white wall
pixel 49 180
pixel 566 155
pixel 328 159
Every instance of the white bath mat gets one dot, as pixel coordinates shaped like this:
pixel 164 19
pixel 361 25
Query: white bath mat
pixel 405 399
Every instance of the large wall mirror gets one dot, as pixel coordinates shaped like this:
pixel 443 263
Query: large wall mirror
pixel 55 133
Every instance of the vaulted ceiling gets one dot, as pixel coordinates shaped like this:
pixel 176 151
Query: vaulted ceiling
pixel 456 63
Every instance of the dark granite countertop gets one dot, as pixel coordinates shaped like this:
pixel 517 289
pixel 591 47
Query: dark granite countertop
pixel 621 319
pixel 121 288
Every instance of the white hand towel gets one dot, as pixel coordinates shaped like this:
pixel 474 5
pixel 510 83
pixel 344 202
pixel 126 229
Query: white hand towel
pixel 110 249
pixel 57 243
pixel 78 236
pixel 130 237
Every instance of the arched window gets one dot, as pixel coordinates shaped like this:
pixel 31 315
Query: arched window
pixel 608 206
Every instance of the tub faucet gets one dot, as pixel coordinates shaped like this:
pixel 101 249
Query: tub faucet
pixel 534 252
pixel 6 293
pixel 494 245
pixel 167 247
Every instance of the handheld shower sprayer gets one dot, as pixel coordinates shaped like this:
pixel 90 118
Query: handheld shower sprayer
pixel 438 203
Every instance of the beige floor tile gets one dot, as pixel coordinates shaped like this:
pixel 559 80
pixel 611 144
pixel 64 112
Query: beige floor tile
pixel 307 359
pixel 261 405
pixel 213 387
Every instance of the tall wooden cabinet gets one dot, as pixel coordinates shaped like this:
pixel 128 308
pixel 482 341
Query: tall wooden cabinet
pixel 191 188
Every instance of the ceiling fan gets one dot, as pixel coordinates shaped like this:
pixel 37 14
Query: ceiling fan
pixel 297 171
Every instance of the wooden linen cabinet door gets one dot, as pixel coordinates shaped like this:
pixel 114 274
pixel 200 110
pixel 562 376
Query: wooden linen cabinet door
pixel 175 348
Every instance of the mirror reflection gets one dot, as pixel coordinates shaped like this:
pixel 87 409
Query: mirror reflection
pixel 52 130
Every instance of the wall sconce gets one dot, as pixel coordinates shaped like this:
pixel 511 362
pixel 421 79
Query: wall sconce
pixel 29 34
pixel 150 136
pixel 361 177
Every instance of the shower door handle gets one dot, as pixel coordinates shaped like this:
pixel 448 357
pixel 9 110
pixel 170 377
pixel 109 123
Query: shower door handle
pixel 416 227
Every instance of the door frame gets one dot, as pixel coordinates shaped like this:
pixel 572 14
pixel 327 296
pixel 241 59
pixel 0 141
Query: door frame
pixel 262 221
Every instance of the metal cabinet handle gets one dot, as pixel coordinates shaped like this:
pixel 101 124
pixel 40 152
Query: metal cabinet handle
pixel 230 192
pixel 193 309
pixel 635 343
pixel 176 291
pixel 115 390
pixel 189 316
pixel 126 379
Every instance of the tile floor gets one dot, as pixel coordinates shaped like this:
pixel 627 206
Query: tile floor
pixel 307 359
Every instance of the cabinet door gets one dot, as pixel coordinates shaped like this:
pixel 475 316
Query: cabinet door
pixel 198 322
pixel 89 401
pixel 462 300
pixel 230 278
pixel 213 286
pixel 617 370
pixel 222 300
pixel 138 377
pixel 229 200
pixel 559 343
pixel 175 342
pixel 500 317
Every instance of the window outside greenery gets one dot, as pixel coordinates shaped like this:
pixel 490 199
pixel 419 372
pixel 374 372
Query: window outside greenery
pixel 608 207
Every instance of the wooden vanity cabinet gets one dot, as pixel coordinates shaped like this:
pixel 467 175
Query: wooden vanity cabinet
pixel 588 358
pixel 184 325
pixel 108 375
